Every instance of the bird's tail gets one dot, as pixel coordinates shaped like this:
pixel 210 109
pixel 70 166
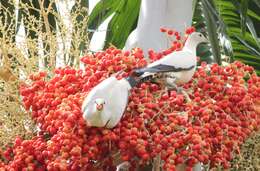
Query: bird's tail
pixel 134 81
pixel 138 72
pixel 148 77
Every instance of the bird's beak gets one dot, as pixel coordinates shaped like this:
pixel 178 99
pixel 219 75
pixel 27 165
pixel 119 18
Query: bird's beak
pixel 204 39
pixel 99 107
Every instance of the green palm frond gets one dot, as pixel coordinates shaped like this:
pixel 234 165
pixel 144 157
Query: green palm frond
pixel 230 26
pixel 124 19
pixel 241 30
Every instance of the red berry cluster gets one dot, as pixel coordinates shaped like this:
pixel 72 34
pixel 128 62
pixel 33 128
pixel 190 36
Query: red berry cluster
pixel 209 128
pixel 25 155
pixel 176 45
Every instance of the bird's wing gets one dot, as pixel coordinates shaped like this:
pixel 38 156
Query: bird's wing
pixel 117 102
pixel 164 68
pixel 178 59
pixel 174 62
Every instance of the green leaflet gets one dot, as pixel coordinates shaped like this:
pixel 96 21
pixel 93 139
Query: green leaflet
pixel 122 23
pixel 100 13
pixel 212 31
pixel 243 15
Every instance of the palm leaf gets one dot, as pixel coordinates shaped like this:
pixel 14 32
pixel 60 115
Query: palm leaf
pixel 206 17
pixel 243 15
pixel 122 23
pixel 257 3
pixel 100 13
pixel 246 44
pixel 125 14
pixel 212 30
pixel 246 20
pixel 234 22
pixel 237 16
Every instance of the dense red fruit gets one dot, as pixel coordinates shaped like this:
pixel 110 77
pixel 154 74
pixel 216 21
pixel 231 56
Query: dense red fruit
pixel 209 128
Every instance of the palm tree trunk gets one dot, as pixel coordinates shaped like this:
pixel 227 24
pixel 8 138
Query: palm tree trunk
pixel 155 14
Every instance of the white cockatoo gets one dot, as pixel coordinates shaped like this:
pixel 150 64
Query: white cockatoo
pixel 106 102
pixel 177 67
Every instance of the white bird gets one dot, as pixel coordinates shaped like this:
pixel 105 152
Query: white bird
pixel 179 66
pixel 106 102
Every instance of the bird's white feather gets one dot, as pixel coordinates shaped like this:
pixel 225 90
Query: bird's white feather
pixel 115 94
pixel 117 99
pixel 182 59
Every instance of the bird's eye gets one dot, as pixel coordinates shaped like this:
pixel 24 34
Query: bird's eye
pixel 200 35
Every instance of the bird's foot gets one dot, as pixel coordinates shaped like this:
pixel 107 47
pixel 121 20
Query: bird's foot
pixel 179 90
pixel 123 166
pixel 170 87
